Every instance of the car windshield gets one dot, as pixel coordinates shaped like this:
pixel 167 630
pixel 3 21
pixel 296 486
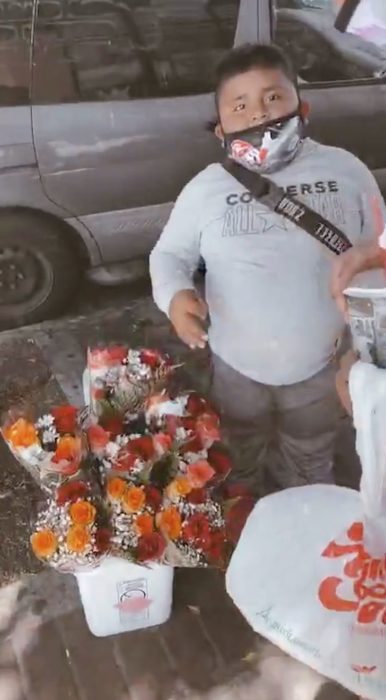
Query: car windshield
pixel 330 40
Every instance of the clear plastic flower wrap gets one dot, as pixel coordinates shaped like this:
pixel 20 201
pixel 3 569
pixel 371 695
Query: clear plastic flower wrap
pixel 51 446
pixel 72 530
pixel 120 379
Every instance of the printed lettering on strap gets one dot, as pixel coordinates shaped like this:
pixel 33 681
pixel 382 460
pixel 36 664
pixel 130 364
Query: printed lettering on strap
pixel 276 199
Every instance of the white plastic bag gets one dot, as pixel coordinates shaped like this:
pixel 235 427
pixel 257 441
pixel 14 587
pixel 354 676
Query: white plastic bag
pixel 122 597
pixel 309 570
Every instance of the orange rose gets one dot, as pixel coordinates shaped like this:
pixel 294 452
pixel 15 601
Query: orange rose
pixel 44 544
pixel 181 486
pixel 133 499
pixel 78 538
pixel 116 488
pixel 69 450
pixel 21 434
pixel 82 513
pixel 169 522
pixel 144 524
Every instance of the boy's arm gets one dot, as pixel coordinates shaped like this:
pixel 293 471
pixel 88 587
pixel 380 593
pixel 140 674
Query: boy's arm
pixel 176 256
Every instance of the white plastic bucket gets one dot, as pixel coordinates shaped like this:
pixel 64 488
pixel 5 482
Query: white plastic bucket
pixel 121 597
pixel 366 301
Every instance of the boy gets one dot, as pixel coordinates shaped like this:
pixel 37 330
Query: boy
pixel 273 324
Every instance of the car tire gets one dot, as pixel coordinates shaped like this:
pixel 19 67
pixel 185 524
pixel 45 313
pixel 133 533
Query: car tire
pixel 40 267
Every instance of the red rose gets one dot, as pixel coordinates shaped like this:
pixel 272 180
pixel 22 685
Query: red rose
pixel 67 493
pixel 151 358
pixel 98 393
pixel 197 530
pixel 193 444
pixel 188 423
pixel 97 438
pixel 172 423
pixel 106 357
pixel 65 418
pixel 102 540
pixel 143 447
pixel 125 461
pixel 219 459
pixel 196 405
pixel 153 498
pixel 150 547
pixel 208 428
pixel 215 548
pixel 237 517
pixel 162 443
pixel 196 496
pixel 113 425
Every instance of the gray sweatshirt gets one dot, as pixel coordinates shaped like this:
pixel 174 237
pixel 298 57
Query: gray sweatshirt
pixel 272 317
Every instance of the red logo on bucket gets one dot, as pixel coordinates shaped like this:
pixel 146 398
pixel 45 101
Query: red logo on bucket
pixel 133 605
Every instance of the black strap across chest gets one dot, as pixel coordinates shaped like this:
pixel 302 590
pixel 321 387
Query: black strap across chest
pixel 276 199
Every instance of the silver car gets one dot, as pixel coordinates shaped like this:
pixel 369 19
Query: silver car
pixel 103 118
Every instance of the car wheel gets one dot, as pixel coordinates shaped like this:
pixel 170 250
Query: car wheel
pixel 40 267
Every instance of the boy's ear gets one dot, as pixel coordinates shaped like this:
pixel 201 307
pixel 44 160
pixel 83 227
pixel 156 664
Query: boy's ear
pixel 219 132
pixel 305 110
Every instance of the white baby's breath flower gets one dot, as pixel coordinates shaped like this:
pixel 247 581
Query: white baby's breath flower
pixel 45 421
pixel 112 449
pixel 49 435
pixel 122 440
pixel 182 435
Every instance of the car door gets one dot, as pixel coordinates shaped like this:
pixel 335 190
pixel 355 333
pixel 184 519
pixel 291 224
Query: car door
pixel 342 76
pixel 19 184
pixel 122 98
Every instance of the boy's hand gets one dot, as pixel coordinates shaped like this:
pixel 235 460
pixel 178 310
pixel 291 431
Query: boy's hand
pixel 342 379
pixel 187 313
pixel 357 259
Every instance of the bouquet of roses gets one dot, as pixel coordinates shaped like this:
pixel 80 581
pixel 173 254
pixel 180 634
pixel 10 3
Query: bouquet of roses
pixel 126 461
pixel 201 517
pixel 51 447
pixel 121 379
pixel 72 531
pixel 133 508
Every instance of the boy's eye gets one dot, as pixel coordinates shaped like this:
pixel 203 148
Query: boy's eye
pixel 239 107
pixel 273 97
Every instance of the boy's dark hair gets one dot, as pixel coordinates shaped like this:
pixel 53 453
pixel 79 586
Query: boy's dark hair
pixel 249 56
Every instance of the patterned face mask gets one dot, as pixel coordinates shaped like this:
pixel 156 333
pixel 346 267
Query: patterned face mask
pixel 267 147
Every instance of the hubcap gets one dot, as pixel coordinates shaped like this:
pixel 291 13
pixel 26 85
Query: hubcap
pixel 21 274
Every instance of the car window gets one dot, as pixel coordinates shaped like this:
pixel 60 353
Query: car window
pixel 15 32
pixel 319 51
pixel 129 49
pixel 368 21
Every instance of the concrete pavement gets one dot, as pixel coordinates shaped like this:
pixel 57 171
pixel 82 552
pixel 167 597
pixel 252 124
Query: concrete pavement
pixel 206 651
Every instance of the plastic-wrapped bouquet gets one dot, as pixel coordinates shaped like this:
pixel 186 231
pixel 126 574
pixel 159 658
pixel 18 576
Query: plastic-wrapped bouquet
pixel 120 379
pixel 139 476
pixel 50 447
pixel 72 530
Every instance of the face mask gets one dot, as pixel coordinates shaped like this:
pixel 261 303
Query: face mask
pixel 266 147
